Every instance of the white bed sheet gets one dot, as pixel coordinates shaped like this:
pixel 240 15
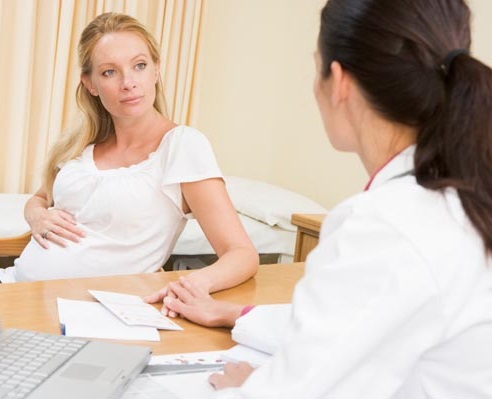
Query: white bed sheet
pixel 266 239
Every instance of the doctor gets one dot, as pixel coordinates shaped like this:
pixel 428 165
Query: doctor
pixel 396 301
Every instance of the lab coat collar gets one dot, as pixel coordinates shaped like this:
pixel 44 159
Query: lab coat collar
pixel 399 165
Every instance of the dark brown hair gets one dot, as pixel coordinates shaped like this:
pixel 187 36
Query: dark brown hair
pixel 397 51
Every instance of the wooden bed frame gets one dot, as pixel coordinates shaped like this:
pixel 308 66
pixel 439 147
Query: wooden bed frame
pixel 13 246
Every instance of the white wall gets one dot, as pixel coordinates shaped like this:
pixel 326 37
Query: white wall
pixel 481 29
pixel 253 95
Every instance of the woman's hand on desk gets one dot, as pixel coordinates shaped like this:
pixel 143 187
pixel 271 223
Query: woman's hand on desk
pixel 200 287
pixel 186 299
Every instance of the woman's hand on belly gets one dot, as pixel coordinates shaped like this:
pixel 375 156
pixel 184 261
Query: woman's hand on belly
pixel 54 225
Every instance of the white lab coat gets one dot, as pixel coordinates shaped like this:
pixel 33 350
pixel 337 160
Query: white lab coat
pixel 396 302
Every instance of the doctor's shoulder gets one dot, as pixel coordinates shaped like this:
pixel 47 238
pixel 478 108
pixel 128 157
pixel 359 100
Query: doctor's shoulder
pixel 394 203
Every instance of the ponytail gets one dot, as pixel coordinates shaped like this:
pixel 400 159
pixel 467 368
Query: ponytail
pixel 411 61
pixel 455 148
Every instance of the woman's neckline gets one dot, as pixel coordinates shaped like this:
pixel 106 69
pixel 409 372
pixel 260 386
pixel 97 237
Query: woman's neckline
pixel 135 165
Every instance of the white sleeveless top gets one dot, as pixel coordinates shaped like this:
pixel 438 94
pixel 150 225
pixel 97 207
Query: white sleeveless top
pixel 132 216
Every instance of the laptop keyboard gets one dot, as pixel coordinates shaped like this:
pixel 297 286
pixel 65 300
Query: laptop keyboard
pixel 27 358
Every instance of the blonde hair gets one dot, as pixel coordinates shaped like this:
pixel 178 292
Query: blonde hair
pixel 96 125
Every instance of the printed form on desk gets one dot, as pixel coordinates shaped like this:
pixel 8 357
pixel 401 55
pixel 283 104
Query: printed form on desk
pixel 257 333
pixel 132 310
pixel 116 316
pixel 92 320
pixel 179 376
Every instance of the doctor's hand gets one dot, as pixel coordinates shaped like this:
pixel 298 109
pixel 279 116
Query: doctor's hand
pixel 188 300
pixel 53 225
pixel 234 375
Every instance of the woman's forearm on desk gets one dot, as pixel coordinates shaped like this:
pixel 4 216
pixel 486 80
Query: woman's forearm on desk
pixel 232 268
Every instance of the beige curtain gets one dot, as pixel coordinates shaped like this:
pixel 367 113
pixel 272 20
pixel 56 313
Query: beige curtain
pixel 39 71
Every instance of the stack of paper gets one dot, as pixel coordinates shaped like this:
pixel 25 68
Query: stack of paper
pixel 117 316
pixel 179 378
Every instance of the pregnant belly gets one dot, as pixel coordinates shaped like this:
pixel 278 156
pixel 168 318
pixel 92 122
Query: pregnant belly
pixel 94 255
pixel 37 263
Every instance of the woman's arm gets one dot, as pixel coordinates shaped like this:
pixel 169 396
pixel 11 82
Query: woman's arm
pixel 238 259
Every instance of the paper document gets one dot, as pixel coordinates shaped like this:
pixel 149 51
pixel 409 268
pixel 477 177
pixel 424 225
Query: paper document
pixel 93 320
pixel 132 310
pixel 177 385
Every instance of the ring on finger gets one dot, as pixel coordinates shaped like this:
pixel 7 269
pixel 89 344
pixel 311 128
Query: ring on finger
pixel 44 234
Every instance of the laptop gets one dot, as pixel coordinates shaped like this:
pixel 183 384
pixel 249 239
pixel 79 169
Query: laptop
pixel 47 366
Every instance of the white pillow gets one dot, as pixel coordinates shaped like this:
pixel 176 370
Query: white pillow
pixel 268 203
pixel 12 215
